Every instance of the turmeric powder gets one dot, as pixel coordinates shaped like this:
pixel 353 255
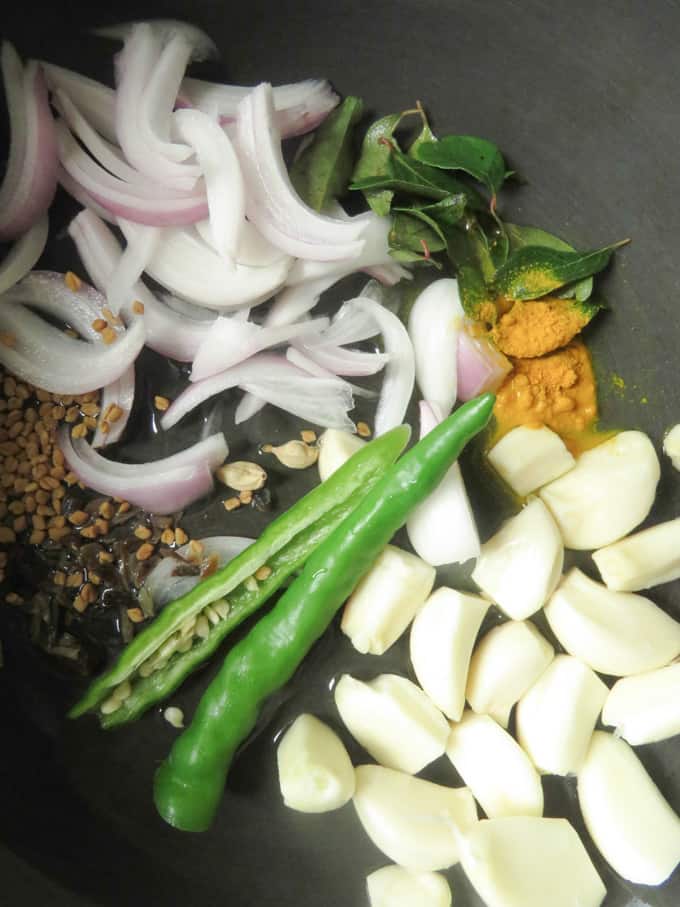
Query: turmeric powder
pixel 538 327
pixel 557 390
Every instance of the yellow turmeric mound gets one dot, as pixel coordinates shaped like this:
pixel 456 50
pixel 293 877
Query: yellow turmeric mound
pixel 535 328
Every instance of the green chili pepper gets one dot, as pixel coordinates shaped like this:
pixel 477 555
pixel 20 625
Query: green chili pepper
pixel 189 784
pixel 283 546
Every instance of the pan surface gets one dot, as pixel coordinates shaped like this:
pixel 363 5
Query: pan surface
pixel 582 98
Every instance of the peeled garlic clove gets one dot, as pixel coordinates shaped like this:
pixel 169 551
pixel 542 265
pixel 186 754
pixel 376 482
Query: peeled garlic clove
pixel 386 600
pixel 646 559
pixel 527 458
pixel 442 638
pixel 607 494
pixel 393 720
pixel 506 662
pixel 335 448
pixel 556 717
pixel 524 861
pixel 499 774
pixel 520 566
pixel 616 633
pixel 671 445
pixel 415 823
pixel 645 708
pixel 394 886
pixel 315 772
pixel 632 825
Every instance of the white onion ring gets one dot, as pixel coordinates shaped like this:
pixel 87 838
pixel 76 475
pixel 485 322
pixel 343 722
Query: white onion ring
pixel 23 254
pixel 161 486
pixel 202 45
pixel 131 265
pixel 442 529
pixel 167 331
pixel 222 174
pixel 164 586
pixel 294 302
pixel 119 393
pixel 186 266
pixel 299 359
pixel 249 405
pixel 232 341
pixel 400 370
pixel 272 203
pixel 31 178
pixel 339 361
pixel 435 321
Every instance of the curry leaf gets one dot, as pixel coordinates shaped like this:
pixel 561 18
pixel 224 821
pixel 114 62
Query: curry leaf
pixel 535 271
pixel 374 161
pixel 447 212
pixel 412 239
pixel 520 236
pixel 425 134
pixel 479 158
pixel 473 291
pixel 322 171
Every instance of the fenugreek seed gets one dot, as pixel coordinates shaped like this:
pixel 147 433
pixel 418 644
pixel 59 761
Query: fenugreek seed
pixel 37 537
pixel 20 524
pixel 181 538
pixel 115 413
pixel 102 526
pixel 7 535
pixel 138 307
pixel 58 534
pixel 295 454
pixel 30 487
pixel 23 392
pixel 88 593
pixel 72 413
pixel 75 579
pixel 94 578
pixel 12 598
pixel 89 532
pixel 232 504
pixel 105 557
pixel 58 457
pixel 308 436
pixel 7 339
pixel 123 507
pixel 42 497
pixel 14 403
pixel 363 430
pixel 58 522
pixel 56 500
pixel 78 517
pixel 174 717
pixel 9 387
pixel 109 335
pixel 38 521
pixel 242 475
pixel 57 472
pixel 70 478
pixel 161 403
pixel 104 427
pixel 58 412
pixel 143 532
pixel 202 627
pixel 48 483
pixel 8 448
pixel 30 503
pixel 99 325
pixel 79 431
pixel 79 604
pixel 59 578
pixel 106 510
pixel 72 281
pixel 195 551
pixel 90 409
pixel 39 470
pixel 20 485
pixel 245 497
pixel 10 464
pixel 167 537
pixel 44 510
pixel 16 508
pixel 263 573
pixel 90 423
pixel 30 415
pixel 144 552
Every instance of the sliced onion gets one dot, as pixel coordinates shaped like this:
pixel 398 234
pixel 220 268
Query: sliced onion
pixel 23 254
pixel 400 370
pixel 211 451
pixel 164 583
pixel 167 331
pixel 222 174
pixel 294 302
pixel 274 379
pixel 253 249
pixel 95 101
pixel 436 319
pixel 160 486
pixel 147 79
pixel 31 178
pixel 188 267
pixel 76 191
pixel 131 265
pixel 299 107
pixel 272 203
pixel 442 529
pixel 344 362
pixel 46 357
pixel 120 393
pixel 298 358
pixel 249 405
pixel 232 340
pixel 388 274
pixel 202 45
pixel 140 202
pixel 481 367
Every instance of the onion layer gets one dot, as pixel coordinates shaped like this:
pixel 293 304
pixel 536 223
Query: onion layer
pixel 24 254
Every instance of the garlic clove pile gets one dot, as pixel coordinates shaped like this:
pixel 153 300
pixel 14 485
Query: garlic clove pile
pixel 528 458
pixel 642 560
pixel 645 708
pixel 394 886
pixel 335 448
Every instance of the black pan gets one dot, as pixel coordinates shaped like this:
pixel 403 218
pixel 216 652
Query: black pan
pixel 584 100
